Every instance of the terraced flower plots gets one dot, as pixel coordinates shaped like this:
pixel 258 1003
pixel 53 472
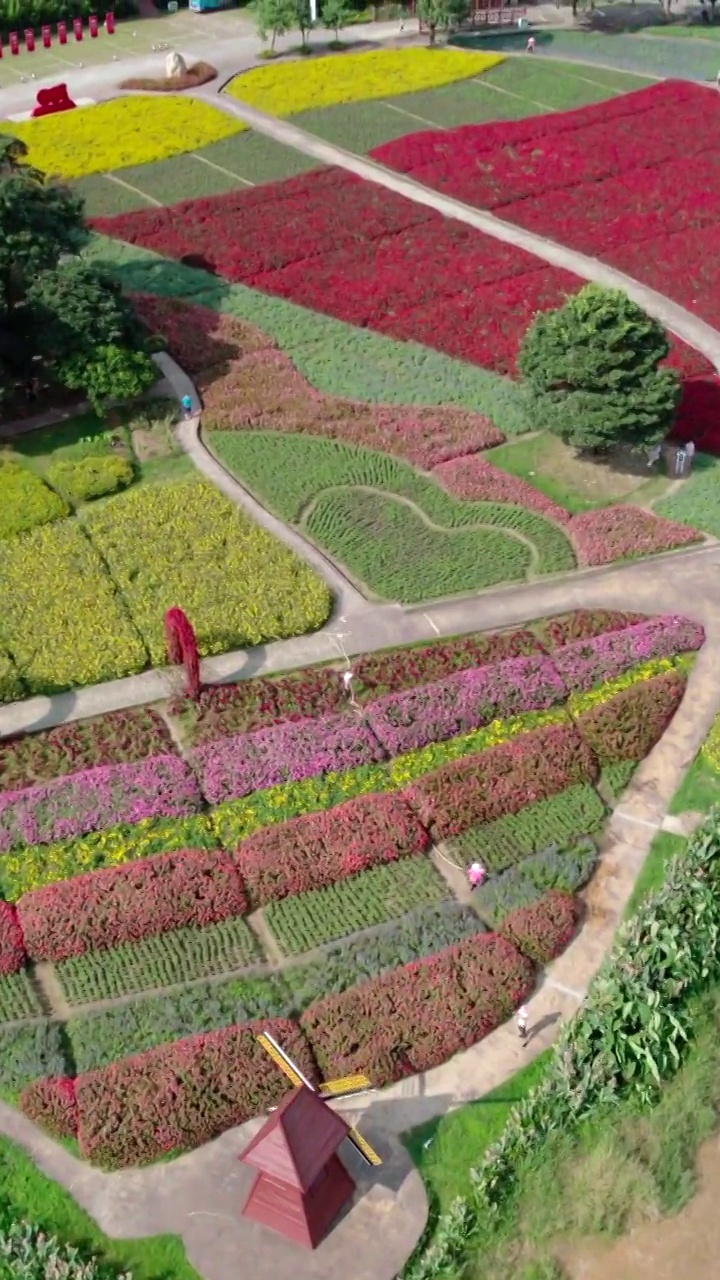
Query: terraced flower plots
pixel 293 870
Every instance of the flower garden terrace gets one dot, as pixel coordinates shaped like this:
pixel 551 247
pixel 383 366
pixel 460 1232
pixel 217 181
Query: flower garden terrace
pixel 180 895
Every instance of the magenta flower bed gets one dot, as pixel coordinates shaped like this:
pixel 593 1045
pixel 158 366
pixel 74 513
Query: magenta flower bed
pixel 477 480
pixel 586 663
pixel 286 752
pixel 463 702
pixel 12 949
pixel 617 533
pixel 159 787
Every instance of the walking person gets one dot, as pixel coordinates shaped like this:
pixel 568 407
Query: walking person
pixel 522 1021
pixel 530 47
pixel 477 875
pixel 187 406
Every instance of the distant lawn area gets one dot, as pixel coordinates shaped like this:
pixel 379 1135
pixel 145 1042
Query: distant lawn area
pixel 241 161
pixel 510 91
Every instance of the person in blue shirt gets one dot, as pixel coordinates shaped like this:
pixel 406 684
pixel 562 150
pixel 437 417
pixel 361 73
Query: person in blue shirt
pixel 187 406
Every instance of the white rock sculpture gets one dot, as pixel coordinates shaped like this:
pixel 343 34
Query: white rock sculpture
pixel 175 65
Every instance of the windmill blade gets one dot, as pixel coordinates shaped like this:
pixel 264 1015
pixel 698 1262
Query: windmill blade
pixel 285 1063
pixel 363 1148
pixel 346 1087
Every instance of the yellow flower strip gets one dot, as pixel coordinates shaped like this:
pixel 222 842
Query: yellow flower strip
pixel 710 750
pixel 126 131
pixel 580 702
pixel 230 823
pixel 288 88
pixel 39 865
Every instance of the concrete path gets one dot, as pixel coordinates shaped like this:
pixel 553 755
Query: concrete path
pixel 200 1197
pixel 695 332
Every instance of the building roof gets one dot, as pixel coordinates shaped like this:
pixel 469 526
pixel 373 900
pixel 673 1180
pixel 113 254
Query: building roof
pixel 297 1140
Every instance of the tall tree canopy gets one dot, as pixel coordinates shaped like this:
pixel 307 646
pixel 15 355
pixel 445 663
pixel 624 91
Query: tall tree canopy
pixel 592 369
pixel 56 312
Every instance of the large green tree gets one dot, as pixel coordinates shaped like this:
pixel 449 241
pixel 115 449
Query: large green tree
pixel 57 312
pixel 441 14
pixel 592 370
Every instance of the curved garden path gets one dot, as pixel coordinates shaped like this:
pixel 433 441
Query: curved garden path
pixel 199 1195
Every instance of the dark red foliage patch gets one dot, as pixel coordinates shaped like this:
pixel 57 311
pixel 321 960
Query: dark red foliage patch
pixel 52 1104
pixel 180 1095
pixel 501 780
pixel 627 726
pixel 543 930
pixel 419 1015
pixel 583 624
pixel 321 848
pixel 12 947
pixel 116 905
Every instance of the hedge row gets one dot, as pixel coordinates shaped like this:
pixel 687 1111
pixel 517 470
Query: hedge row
pixel 319 849
pixel 627 726
pixel 418 1016
pixel 227 709
pixel 180 1095
pixel 173 1098
pixel 579 811
pixel 543 929
pixel 504 780
pixel 119 905
pixel 100 1038
pixel 587 663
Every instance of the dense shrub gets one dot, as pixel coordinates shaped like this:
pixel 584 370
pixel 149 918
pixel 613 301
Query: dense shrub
pixel 543 930
pixel 462 702
pixel 501 780
pixel 52 1104
pixel 26 500
pixel 396 669
pixel 221 710
pixel 507 840
pixel 82 479
pixel 421 1014
pixel 29 1052
pixel 12 688
pixel 181 1095
pixel 321 848
pixel 565 870
pixel 127 904
pixel 119 737
pixel 12 948
pixel 584 624
pixel 628 725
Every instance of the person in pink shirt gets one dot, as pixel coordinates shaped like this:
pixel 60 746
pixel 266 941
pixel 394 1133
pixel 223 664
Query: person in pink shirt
pixel 477 875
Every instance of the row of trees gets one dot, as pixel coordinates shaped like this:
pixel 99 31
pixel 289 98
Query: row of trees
pixel 61 320
pixel 277 17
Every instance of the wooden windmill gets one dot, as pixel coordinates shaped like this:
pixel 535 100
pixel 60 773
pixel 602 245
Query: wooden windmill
pixel 301 1184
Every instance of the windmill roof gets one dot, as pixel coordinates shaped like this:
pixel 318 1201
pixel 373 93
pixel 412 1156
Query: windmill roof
pixel 297 1140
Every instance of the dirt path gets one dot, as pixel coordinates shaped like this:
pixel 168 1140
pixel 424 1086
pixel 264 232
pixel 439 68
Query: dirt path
pixel 686 1245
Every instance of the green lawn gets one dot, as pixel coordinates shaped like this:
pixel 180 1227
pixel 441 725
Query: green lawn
pixel 593 51
pixel 235 163
pixel 509 91
pixel 697 501
pixel 663 848
pixel 27 1193
pixel 575 482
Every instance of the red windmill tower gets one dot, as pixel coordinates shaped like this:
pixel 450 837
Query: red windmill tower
pixel 302 1184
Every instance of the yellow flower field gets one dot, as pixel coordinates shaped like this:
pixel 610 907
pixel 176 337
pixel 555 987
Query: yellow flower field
pixel 186 544
pixel 126 131
pixel 286 89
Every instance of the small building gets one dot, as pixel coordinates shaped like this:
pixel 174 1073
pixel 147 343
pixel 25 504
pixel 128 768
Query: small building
pixel 302 1184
